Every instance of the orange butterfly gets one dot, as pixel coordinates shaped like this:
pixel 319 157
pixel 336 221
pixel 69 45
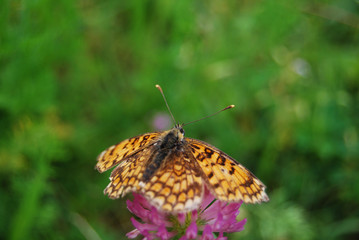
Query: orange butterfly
pixel 171 171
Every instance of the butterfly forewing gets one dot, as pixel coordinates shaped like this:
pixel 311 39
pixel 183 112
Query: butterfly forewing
pixel 114 154
pixel 177 186
pixel 226 179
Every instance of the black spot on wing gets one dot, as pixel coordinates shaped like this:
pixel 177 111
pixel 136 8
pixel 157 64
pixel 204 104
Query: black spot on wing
pixel 112 151
pixel 134 141
pixel 200 157
pixel 195 146
pixel 221 160
pixel 208 152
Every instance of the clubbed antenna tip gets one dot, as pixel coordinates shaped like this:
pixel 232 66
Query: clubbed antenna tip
pixel 230 106
pixel 164 98
pixel 159 88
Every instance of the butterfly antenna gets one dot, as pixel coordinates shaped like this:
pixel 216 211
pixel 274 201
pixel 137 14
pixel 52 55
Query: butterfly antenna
pixel 164 98
pixel 229 107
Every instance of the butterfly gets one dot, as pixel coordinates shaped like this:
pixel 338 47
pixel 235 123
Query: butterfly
pixel 172 171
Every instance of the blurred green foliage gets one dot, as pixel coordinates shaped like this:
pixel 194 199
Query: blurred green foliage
pixel 79 76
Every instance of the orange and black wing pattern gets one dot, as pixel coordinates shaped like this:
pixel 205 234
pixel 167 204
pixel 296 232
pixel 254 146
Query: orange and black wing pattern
pixel 126 177
pixel 172 174
pixel 177 186
pixel 116 153
pixel 226 179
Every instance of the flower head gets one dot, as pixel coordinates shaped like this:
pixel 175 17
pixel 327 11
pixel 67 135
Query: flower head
pixel 212 217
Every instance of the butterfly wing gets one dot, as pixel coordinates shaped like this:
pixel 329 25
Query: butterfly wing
pixel 127 175
pixel 116 153
pixel 226 179
pixel 177 186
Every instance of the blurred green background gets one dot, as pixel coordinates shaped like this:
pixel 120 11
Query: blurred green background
pixel 79 76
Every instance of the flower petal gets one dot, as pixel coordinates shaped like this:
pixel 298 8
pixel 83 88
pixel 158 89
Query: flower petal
pixel 158 218
pixel 163 234
pixel 232 208
pixel 218 224
pixel 207 199
pixel 141 200
pixel 137 209
pixel 221 237
pixel 210 214
pixel 143 227
pixel 207 233
pixel 194 216
pixel 134 233
pixel 237 227
pixel 191 232
pixel 181 218
pixel 183 238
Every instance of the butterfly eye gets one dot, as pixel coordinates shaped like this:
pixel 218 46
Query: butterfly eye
pixel 182 131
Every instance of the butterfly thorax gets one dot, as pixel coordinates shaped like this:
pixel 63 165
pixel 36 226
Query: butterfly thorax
pixel 171 140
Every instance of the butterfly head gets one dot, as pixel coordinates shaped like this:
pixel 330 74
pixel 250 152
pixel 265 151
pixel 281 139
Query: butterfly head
pixel 179 131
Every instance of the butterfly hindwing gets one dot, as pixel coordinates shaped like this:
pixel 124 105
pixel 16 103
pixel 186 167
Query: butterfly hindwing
pixel 228 180
pixel 177 186
pixel 127 175
pixel 116 153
